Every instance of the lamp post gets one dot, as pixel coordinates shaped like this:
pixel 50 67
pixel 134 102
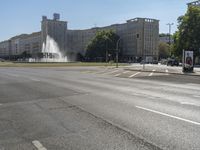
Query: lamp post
pixel 117 52
pixel 170 26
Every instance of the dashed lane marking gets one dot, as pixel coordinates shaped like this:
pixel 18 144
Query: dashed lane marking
pixel 167 115
pixel 38 145
pixel 133 75
pixel 188 103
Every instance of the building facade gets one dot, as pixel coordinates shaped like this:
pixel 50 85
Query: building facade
pixel 139 39
pixel 195 3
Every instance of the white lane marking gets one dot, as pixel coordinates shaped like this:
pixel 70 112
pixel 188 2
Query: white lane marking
pixel 188 103
pixel 117 75
pixel 171 116
pixel 197 96
pixel 38 145
pixel 35 80
pixel 133 75
pixel 126 72
pixel 150 74
pixel 153 70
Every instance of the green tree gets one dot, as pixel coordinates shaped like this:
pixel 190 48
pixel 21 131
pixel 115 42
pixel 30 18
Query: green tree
pixel 25 54
pixel 188 35
pixel 163 50
pixel 102 46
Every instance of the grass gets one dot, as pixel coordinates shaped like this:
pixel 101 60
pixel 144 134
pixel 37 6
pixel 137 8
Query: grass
pixel 71 64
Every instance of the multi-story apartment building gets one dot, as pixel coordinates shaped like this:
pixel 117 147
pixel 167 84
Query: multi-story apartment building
pixel 195 3
pixel 139 39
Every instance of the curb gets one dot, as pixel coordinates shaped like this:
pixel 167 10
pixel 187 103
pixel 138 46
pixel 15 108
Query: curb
pixel 187 74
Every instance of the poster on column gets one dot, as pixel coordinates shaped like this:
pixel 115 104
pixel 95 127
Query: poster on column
pixel 189 59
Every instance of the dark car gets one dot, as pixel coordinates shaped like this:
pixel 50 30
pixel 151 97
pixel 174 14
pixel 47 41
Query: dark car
pixel 2 60
pixel 172 62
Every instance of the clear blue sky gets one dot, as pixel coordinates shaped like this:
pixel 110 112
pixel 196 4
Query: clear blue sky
pixel 24 16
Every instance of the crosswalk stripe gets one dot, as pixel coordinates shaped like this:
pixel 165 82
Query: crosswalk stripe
pixel 117 75
pixel 134 74
pixel 150 74
pixel 38 145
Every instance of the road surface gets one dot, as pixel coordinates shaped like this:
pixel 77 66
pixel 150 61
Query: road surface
pixel 97 108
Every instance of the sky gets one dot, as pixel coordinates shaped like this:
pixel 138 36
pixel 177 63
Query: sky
pixel 24 16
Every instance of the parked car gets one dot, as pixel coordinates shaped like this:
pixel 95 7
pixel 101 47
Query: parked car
pixel 163 61
pixel 172 62
pixel 2 60
pixel 154 62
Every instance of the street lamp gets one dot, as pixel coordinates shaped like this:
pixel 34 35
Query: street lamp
pixel 170 25
pixel 117 52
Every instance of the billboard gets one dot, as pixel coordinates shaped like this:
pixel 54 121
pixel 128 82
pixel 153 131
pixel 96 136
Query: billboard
pixel 188 59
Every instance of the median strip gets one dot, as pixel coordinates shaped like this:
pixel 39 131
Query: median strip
pixel 171 116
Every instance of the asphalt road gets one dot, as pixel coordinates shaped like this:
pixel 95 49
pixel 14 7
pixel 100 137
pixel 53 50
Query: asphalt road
pixel 97 108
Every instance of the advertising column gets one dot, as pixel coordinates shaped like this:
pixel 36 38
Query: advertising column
pixel 188 58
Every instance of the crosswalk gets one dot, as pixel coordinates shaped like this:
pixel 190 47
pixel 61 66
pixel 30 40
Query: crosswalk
pixel 133 75
pixel 127 73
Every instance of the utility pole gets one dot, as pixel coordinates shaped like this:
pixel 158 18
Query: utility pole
pixel 117 52
pixel 170 26
pixel 143 47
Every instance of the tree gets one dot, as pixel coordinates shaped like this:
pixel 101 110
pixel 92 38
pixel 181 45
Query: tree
pixel 163 50
pixel 163 35
pixel 25 54
pixel 80 57
pixel 102 46
pixel 188 35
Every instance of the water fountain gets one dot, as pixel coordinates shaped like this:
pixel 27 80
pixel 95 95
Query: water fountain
pixel 52 52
